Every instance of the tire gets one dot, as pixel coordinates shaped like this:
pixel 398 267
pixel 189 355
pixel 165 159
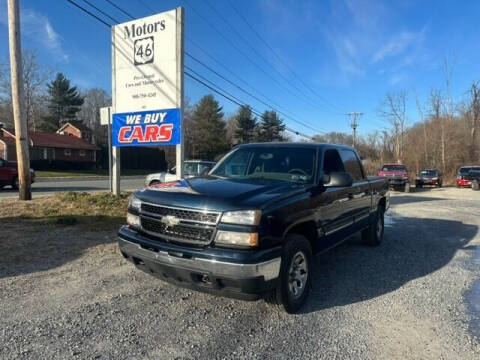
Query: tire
pixel 419 186
pixel 439 184
pixel 475 185
pixel 154 182
pixel 295 277
pixel 373 235
pixel 407 187
pixel 15 183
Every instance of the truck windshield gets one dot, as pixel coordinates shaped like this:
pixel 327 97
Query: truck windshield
pixel 429 172
pixel 275 163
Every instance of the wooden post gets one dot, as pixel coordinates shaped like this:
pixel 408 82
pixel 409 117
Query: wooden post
pixel 21 130
pixel 180 148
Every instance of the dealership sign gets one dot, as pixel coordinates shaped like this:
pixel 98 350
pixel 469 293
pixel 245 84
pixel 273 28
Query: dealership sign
pixel 160 127
pixel 146 85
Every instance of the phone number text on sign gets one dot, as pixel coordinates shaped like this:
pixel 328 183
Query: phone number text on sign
pixel 146 128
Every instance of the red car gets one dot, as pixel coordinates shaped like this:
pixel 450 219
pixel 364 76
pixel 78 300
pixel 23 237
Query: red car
pixel 397 176
pixel 462 176
pixel 9 174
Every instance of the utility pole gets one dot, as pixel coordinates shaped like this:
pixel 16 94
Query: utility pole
pixel 354 124
pixel 21 131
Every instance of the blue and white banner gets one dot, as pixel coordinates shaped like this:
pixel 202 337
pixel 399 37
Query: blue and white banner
pixel 146 128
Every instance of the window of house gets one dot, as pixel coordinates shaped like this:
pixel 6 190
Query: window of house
pixel 82 152
pixel 67 152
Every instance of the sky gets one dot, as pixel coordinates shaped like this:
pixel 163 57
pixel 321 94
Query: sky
pixel 316 60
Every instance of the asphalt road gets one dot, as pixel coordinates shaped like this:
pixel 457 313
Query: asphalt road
pixel 41 188
pixel 66 293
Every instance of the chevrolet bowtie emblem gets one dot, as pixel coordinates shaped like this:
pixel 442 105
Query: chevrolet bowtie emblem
pixel 170 220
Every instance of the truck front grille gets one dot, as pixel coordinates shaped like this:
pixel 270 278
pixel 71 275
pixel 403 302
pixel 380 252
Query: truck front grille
pixel 189 225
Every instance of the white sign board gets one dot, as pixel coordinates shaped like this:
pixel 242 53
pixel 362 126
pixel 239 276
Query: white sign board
pixel 145 63
pixel 105 117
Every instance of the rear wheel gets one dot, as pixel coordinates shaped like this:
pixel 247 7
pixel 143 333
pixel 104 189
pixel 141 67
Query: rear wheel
pixel 295 275
pixel 475 185
pixel 373 235
pixel 15 183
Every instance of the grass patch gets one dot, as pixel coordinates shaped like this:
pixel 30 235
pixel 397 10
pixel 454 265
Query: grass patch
pixel 77 209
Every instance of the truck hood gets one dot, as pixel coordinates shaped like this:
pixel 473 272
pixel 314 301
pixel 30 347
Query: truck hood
pixel 220 194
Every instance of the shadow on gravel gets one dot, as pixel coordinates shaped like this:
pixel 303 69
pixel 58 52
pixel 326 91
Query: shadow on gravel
pixel 407 199
pixel 412 248
pixel 29 245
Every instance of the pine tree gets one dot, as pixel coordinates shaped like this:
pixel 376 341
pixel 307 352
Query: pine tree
pixel 271 127
pixel 208 129
pixel 246 125
pixel 64 102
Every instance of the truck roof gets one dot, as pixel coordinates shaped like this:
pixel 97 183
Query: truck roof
pixel 297 144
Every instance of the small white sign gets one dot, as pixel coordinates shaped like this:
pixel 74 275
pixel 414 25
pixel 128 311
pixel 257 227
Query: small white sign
pixel 145 63
pixel 105 115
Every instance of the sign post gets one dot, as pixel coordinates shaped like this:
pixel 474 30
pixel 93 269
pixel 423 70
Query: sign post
pixel 147 84
pixel 106 119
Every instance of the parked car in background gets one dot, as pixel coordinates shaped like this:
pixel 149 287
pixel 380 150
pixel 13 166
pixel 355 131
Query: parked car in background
pixel 191 168
pixel 462 176
pixel 9 174
pixel 249 229
pixel 431 177
pixel 474 178
pixel 397 176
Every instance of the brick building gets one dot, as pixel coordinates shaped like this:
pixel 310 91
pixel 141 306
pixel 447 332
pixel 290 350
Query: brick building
pixel 69 148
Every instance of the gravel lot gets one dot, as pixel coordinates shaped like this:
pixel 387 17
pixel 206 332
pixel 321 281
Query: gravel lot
pixel 67 293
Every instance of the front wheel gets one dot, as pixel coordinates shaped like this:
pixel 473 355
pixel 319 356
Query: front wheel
pixel 154 182
pixel 373 235
pixel 15 183
pixel 475 185
pixel 295 275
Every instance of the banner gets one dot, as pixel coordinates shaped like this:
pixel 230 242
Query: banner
pixel 147 128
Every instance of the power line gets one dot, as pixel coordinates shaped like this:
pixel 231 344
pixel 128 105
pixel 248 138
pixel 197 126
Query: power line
pixel 228 96
pixel 100 11
pixel 253 96
pixel 252 47
pixel 286 88
pixel 120 9
pixel 278 56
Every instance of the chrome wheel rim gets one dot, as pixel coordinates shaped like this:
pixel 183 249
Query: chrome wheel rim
pixel 298 275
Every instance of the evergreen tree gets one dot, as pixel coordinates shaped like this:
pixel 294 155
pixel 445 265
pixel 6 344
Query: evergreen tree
pixel 271 127
pixel 246 125
pixel 208 129
pixel 64 102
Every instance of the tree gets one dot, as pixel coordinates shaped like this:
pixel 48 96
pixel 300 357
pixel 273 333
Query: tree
pixel 271 127
pixel 394 111
pixel 474 109
pixel 34 79
pixel 246 125
pixel 208 129
pixel 64 102
pixel 89 114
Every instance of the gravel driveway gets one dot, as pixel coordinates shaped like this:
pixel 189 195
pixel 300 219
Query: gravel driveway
pixel 65 293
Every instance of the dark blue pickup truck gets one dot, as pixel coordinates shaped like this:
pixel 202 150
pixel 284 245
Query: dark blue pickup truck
pixel 250 227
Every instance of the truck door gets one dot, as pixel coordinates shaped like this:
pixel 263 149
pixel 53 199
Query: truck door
pixel 335 209
pixel 4 172
pixel 360 192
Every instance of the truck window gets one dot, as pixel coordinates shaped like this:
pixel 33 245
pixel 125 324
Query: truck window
pixel 332 162
pixel 352 164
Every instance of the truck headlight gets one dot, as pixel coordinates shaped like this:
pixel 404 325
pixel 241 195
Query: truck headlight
pixel 242 217
pixel 135 203
pixel 133 220
pixel 236 238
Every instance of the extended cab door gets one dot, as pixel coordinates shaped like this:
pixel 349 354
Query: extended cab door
pixel 336 211
pixel 360 192
pixel 5 173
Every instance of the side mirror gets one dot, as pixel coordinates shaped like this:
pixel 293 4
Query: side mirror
pixel 172 171
pixel 337 179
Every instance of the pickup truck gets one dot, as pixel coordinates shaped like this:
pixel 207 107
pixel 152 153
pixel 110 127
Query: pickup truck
pixel 397 176
pixel 249 228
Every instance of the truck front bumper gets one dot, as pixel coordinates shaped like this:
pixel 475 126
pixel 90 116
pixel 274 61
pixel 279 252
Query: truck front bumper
pixel 206 271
